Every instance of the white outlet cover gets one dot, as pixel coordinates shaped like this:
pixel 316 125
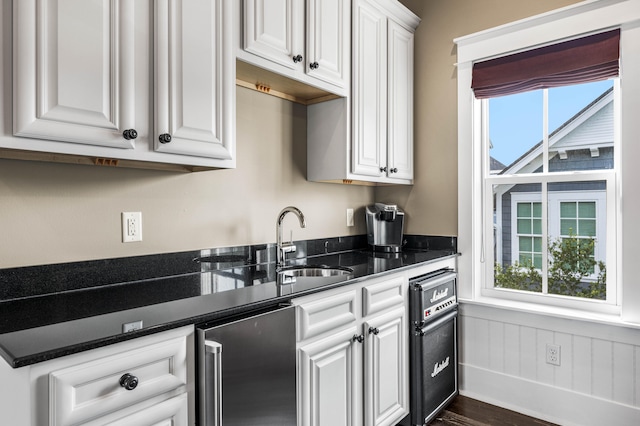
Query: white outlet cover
pixel 131 227
pixel 349 217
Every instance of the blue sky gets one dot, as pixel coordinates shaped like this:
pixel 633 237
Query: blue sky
pixel 515 122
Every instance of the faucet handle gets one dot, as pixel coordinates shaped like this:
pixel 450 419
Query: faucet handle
pixel 288 247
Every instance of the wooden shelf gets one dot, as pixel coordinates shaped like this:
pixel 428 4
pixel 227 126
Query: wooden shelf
pixel 273 84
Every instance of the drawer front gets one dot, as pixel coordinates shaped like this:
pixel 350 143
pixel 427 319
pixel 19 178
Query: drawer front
pixel 380 296
pixel 171 412
pixel 328 313
pixel 92 389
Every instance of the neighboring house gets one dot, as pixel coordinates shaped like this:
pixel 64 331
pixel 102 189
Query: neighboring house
pixel 584 142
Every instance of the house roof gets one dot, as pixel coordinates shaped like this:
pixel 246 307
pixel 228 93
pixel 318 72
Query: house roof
pixel 563 126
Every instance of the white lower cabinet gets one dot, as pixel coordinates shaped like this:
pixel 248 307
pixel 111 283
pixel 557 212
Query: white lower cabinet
pixel 354 372
pixel 149 380
pixel 386 373
pixel 329 378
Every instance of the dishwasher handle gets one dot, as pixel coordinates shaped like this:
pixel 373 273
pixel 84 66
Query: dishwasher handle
pixel 213 383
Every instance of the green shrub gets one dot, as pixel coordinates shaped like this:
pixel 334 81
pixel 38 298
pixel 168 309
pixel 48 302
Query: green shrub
pixel 570 262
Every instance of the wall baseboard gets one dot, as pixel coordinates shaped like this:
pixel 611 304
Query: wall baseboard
pixel 557 405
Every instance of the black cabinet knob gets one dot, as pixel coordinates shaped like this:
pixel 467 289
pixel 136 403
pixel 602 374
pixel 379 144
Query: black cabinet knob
pixel 373 330
pixel 357 338
pixel 394 170
pixel 129 381
pixel 297 58
pixel 164 138
pixel 383 169
pixel 314 65
pixel 130 134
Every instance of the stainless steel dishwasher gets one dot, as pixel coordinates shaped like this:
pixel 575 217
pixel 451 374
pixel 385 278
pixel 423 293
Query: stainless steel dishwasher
pixel 247 370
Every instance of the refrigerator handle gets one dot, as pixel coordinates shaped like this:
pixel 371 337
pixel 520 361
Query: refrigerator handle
pixel 213 383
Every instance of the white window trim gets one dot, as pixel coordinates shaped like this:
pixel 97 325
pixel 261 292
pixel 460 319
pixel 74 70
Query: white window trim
pixel 584 18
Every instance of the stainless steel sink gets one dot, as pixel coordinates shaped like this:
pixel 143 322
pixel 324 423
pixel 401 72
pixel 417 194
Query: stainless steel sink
pixel 315 271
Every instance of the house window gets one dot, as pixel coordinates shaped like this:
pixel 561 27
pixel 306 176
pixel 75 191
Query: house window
pixel 549 178
pixel 529 233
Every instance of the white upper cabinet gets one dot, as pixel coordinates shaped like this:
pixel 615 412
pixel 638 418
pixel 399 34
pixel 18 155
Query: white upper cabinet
pixel 274 30
pixel 81 82
pixel 372 141
pixel 400 102
pixel 193 90
pixel 382 94
pixel 369 90
pixel 74 71
pixel 305 41
pixel 329 40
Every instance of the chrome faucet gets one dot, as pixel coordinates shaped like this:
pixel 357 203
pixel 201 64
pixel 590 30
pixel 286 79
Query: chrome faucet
pixel 284 248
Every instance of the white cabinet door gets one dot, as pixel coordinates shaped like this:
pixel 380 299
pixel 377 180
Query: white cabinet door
pixel 194 106
pixel 369 90
pixel 330 375
pixel 386 387
pixel 328 39
pixel 274 30
pixel 74 71
pixel 400 115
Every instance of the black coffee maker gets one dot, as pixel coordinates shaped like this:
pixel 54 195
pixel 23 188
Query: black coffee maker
pixel 385 226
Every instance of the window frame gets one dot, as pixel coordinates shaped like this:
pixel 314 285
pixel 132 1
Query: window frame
pixel 548 28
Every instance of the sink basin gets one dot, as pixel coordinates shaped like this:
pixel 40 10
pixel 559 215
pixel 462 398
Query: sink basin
pixel 315 271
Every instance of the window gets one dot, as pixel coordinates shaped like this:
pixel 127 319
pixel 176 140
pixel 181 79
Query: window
pixel 552 155
pixel 480 217
pixel 529 234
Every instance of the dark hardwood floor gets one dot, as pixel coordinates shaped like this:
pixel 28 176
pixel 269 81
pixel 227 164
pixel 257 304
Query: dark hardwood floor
pixel 465 411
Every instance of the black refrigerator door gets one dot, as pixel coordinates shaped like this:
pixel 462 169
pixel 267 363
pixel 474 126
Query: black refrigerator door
pixel 434 372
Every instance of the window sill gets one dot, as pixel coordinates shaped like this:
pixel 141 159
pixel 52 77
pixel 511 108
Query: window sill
pixel 563 313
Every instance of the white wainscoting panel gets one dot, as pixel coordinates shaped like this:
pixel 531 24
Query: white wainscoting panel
pixel 503 361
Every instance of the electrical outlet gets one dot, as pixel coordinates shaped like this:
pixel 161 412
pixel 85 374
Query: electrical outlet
pixel 349 217
pixel 553 354
pixel 131 227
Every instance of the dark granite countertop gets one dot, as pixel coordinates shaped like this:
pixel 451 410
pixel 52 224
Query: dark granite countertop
pixel 54 310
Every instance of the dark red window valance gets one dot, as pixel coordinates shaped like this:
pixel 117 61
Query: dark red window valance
pixel 583 60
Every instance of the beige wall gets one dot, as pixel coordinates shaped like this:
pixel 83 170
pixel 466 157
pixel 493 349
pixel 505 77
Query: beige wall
pixel 56 213
pixel 431 204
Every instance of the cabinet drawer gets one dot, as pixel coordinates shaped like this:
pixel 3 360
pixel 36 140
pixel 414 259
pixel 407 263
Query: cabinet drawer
pixel 382 295
pixel 92 389
pixel 173 411
pixel 328 313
